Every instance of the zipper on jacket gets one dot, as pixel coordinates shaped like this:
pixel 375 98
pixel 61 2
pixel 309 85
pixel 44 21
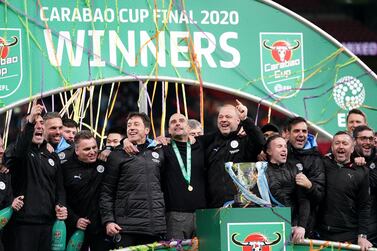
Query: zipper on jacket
pixel 149 192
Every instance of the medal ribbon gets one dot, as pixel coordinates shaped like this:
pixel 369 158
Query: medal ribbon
pixel 186 172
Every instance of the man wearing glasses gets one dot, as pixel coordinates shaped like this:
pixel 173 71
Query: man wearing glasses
pixel 365 154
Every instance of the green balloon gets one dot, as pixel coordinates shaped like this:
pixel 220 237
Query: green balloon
pixel 5 215
pixel 76 241
pixel 59 234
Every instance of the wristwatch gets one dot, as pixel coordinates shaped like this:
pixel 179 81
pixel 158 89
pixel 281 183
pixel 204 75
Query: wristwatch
pixel 364 236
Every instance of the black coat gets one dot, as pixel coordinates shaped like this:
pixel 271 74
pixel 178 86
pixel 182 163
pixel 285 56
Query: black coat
pixel 346 207
pixel 36 174
pixel 6 196
pixel 177 196
pixel 371 164
pixel 82 184
pixel 313 168
pixel 231 148
pixel 131 194
pixel 282 184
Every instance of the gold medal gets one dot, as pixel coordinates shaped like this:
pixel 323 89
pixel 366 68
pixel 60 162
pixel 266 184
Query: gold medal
pixel 190 188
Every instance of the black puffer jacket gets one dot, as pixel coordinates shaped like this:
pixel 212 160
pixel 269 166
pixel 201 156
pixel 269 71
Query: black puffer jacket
pixel 281 181
pixel 282 185
pixel 371 164
pixel 131 193
pixel 231 148
pixel 82 184
pixel 346 207
pixel 313 168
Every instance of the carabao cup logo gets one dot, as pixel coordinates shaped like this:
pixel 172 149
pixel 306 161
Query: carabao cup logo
pixel 10 61
pixel 349 93
pixel 256 242
pixel 282 63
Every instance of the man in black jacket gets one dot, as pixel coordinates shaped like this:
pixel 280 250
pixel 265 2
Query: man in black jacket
pixel 312 177
pixel 366 151
pixel 36 174
pixel 346 207
pixel 83 175
pixel 281 176
pixel 131 203
pixel 225 145
pixel 183 180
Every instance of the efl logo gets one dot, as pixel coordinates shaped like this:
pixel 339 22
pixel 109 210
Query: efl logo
pixel 10 61
pixel 282 63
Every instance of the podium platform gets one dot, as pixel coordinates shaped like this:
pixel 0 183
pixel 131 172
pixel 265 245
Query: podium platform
pixel 244 229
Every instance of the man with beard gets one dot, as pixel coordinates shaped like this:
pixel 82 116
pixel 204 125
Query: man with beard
pixel 36 174
pixel 355 118
pixel 53 134
pixel 366 150
pixel 225 145
pixel 83 175
pixel 346 207
pixel 183 180
pixel 312 177
pixel 131 203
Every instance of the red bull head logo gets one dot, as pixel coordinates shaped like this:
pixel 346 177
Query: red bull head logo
pixel 281 50
pixel 256 242
pixel 5 45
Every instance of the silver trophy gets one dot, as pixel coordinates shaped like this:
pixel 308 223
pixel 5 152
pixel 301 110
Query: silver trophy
pixel 246 176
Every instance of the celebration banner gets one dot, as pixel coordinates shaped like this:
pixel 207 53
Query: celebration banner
pixel 254 49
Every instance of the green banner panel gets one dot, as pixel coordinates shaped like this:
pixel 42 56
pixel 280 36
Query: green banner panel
pixel 255 49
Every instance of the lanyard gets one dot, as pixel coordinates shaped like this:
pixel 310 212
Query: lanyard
pixel 186 172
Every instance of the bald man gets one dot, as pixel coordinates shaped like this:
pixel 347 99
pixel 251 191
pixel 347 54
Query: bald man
pixel 183 180
pixel 225 145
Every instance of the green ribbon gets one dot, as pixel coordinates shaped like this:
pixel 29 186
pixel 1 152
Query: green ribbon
pixel 186 172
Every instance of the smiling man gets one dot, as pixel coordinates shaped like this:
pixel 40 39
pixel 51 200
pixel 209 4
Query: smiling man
pixel 225 145
pixel 83 175
pixel 355 118
pixel 364 138
pixel 312 177
pixel 36 174
pixel 345 210
pixel 281 176
pixel 53 132
pixel 131 202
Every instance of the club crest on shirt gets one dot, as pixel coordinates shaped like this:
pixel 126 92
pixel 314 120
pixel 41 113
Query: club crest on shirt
pixel 51 162
pixel 2 185
pixel 234 144
pixel 372 166
pixel 300 167
pixel 155 155
pixel 100 168
pixel 61 155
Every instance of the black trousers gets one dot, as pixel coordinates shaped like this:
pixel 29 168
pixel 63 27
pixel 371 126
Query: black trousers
pixel 31 237
pixel 128 240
